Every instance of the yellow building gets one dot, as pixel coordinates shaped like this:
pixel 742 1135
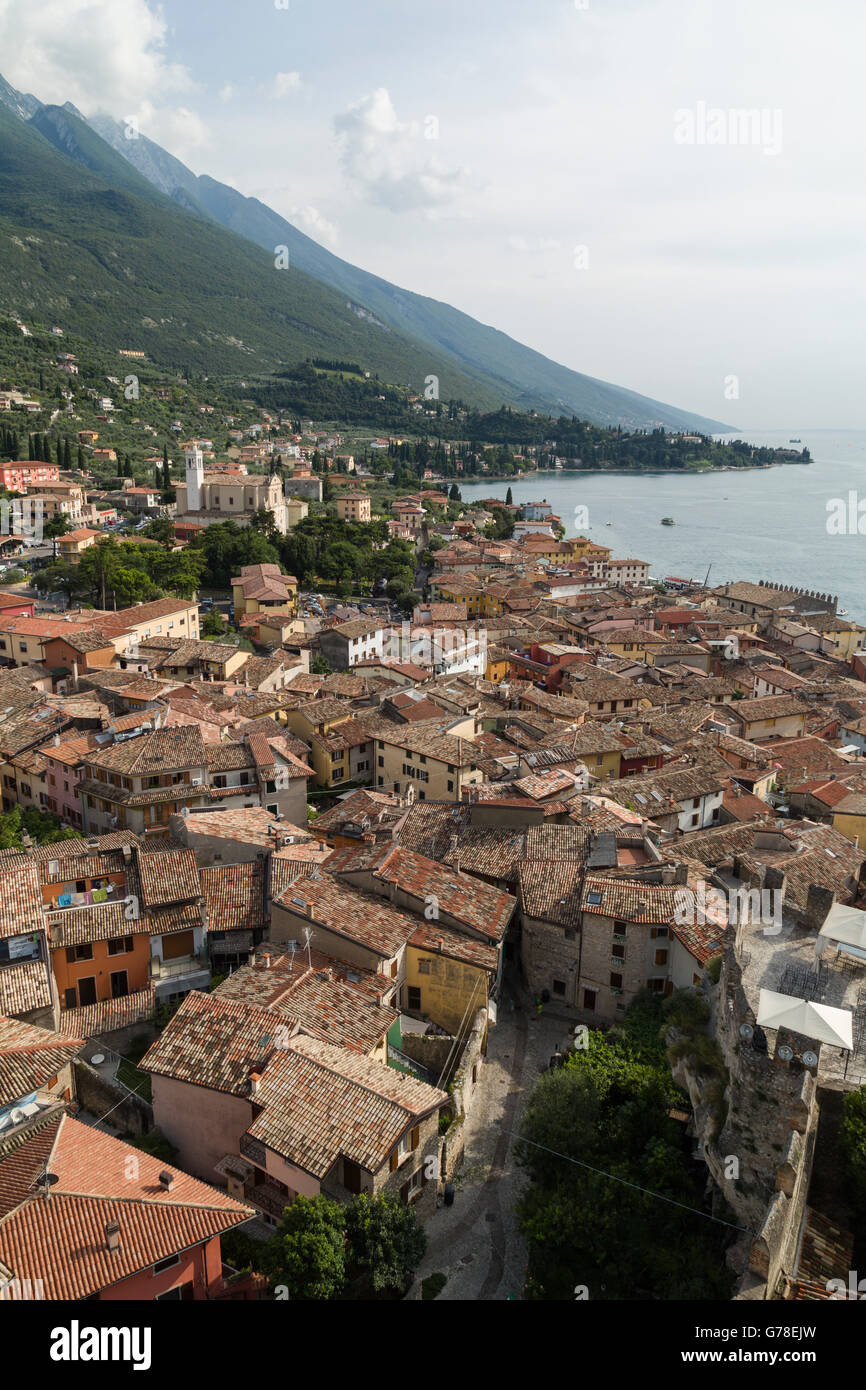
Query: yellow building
pixel 317 717
pixel 354 506
pixel 436 766
pixel 72 546
pixel 296 510
pixel 497 665
pixel 448 976
pixel 849 818
pixel 260 588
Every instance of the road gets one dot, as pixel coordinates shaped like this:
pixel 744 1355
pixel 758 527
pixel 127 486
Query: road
pixel 476 1243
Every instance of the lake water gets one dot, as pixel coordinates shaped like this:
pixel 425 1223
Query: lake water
pixel 763 523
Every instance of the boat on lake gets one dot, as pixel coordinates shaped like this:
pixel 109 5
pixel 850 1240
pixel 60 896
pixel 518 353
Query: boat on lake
pixel 668 521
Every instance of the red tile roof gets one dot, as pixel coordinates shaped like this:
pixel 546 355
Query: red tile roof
pixel 60 1240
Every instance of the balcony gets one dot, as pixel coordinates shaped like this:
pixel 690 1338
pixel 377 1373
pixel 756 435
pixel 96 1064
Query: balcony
pixel 268 1198
pixel 179 976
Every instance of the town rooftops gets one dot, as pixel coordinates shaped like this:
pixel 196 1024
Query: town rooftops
pixel 164 750
pixel 473 904
pixel 214 1042
pixel 323 1102
pixel 31 1057
pixel 58 1243
pixel 348 912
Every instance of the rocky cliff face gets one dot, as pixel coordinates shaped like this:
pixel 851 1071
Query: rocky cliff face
pixel 758 1138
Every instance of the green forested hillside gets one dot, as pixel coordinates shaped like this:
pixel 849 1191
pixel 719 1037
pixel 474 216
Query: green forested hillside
pixel 100 251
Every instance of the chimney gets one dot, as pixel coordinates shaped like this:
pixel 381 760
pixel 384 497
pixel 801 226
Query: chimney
pixel 266 960
pixel 255 1082
pixel 112 1235
pixel 166 1180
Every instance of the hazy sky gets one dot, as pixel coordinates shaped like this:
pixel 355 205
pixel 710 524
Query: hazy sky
pixel 570 173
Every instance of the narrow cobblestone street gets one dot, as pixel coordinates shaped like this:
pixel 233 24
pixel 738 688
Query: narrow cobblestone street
pixel 476 1243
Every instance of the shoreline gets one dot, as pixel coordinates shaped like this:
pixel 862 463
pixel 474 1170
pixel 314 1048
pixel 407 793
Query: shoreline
pixel 620 472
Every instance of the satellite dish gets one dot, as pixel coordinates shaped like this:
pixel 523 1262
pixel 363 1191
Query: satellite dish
pixel 810 1059
pixel 746 1030
pixel 785 1052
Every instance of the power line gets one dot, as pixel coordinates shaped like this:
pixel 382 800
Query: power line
pixel 636 1186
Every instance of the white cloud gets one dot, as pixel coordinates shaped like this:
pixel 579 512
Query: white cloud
pixel 226 93
pixel 102 55
pixel 286 82
pixel 390 160
pixel 311 221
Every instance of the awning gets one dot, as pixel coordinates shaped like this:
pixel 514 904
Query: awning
pixel 846 925
pixel 817 1021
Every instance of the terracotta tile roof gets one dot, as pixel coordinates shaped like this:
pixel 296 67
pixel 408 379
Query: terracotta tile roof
pixel 438 939
pixel 162 921
pixel 24 987
pixel 168 877
pixel 293 862
pixel 362 917
pixel 362 804
pixel 634 901
pixel 323 1102
pixel 105 1017
pixel 234 896
pixel 475 905
pixel 74 926
pixel 163 750
pixel 30 1057
pixel 214 1042
pixel 61 1240
pixel 20 899
pixel 228 757
pixel 336 1011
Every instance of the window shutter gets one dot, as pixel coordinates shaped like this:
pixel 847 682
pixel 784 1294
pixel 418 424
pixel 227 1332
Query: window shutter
pixel 404 1193
pixel 394 1161
pixel 70 955
pixel 416 1136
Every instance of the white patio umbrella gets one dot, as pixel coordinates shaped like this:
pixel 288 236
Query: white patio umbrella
pixel 817 1021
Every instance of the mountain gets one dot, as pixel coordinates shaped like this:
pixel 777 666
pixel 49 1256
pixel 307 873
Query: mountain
pixel 491 367
pixel 87 242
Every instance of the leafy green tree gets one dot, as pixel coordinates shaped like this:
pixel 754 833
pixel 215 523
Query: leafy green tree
pixel 62 578
pixel 212 624
pixel 57 526
pixel 320 666
pixel 386 1242
pixel 509 500
pixel 853 1139
pixel 454 493
pixel 161 529
pixel 607 1109
pixel 43 827
pixel 309 1252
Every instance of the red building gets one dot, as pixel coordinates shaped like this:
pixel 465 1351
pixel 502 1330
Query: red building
pixel 16 606
pixel 17 477
pixel 115 1224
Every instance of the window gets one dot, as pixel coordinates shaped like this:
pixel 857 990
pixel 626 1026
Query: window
pixel 121 946
pixel 618 952
pixel 559 987
pixel 168 1263
pixel 661 958
pixel 424 967
pixel 615 981
pixel 589 1000
pixel 414 997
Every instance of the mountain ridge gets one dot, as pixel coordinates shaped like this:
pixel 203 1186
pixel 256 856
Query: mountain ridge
pixel 474 361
